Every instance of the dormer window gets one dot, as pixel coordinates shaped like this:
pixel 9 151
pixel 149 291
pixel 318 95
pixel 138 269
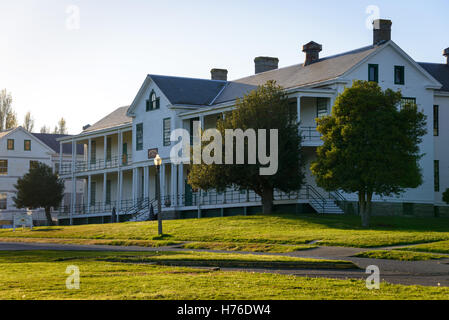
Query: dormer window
pixel 153 102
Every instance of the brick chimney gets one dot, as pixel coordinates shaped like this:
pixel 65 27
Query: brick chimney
pixel 312 51
pixel 263 64
pixel 381 31
pixel 446 54
pixel 219 74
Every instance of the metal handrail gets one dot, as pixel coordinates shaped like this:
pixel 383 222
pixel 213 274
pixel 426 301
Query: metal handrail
pixel 309 133
pixel 317 195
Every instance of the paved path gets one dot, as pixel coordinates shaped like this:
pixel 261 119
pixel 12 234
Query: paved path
pixel 428 273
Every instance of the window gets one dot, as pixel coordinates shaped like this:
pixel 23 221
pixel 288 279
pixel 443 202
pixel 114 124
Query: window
pixel 93 193
pixel 436 121
pixel 139 136
pixel 407 100
pixel 166 131
pixel 437 175
pixel 373 72
pixel 10 144
pixel 399 75
pixel 27 145
pixel 33 164
pixel 3 201
pixel 108 191
pixel 108 149
pixel 3 167
pixel 154 102
pixel 321 107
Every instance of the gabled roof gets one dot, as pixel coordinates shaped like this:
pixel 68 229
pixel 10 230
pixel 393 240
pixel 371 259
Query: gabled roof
pixel 50 141
pixel 5 133
pixel 324 69
pixel 116 118
pixel 188 91
pixel 439 71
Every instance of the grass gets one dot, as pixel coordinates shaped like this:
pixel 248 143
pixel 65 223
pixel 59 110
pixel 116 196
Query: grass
pixel 118 242
pixel 41 275
pixel 400 255
pixel 436 247
pixel 330 230
pixel 247 247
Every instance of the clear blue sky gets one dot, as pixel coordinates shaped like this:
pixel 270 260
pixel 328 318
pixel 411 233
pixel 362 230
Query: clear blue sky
pixel 83 74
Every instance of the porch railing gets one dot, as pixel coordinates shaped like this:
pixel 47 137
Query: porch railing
pixel 96 164
pixel 310 134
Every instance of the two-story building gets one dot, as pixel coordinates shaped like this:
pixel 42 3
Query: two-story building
pixel 119 171
pixel 20 150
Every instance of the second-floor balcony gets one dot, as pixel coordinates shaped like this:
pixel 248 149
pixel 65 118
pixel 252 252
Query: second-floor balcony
pixel 96 164
pixel 310 136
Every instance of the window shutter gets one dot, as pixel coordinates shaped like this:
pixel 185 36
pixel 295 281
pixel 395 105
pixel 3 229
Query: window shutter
pixel 148 105
pixel 158 102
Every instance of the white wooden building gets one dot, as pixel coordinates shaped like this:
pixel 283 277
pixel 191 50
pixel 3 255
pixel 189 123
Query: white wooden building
pixel 119 173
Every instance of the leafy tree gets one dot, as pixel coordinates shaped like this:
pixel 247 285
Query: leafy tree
pixel 28 122
pixel 371 145
pixel 8 118
pixel 61 128
pixel 45 129
pixel 39 188
pixel 265 108
pixel 446 196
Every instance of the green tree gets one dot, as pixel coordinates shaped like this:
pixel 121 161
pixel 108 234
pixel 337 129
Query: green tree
pixel 28 122
pixel 45 129
pixel 446 196
pixel 39 188
pixel 371 145
pixel 61 128
pixel 8 118
pixel 265 108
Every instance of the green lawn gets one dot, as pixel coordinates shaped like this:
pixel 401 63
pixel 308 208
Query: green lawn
pixel 400 255
pixel 41 275
pixel 331 230
pixel 437 247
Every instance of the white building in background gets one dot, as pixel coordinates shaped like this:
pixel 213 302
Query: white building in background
pixel 118 167
pixel 19 151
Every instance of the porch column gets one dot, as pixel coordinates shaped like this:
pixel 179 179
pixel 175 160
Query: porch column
pixel 173 178
pixel 146 182
pixel 60 157
pixel 105 179
pixel 73 204
pixel 89 153
pixel 89 192
pixel 105 147
pixel 180 183
pixel 120 148
pixel 202 122
pixel 134 193
pixel 162 189
pixel 119 189
pixel 298 99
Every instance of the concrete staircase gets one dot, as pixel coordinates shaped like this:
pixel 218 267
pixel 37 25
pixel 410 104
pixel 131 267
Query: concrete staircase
pixel 324 204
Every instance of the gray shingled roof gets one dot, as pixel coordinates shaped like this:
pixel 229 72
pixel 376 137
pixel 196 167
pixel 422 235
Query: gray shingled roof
pixel 322 70
pixel 50 140
pixel 116 118
pixel 234 90
pixel 439 71
pixel 189 91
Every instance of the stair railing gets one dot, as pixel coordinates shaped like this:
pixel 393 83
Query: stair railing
pixel 316 198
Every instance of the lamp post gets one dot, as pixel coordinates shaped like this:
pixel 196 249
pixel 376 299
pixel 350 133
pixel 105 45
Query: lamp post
pixel 157 163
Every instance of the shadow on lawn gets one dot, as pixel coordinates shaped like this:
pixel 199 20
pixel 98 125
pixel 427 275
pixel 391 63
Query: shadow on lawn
pixel 379 223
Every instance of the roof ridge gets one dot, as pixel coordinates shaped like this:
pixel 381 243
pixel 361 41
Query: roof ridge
pixel 187 78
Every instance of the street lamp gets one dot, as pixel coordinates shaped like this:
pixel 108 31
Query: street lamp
pixel 157 163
